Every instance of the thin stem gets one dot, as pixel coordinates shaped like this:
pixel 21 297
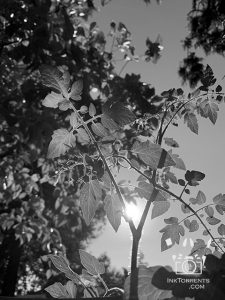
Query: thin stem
pixel 104 284
pixel 181 194
pixel 192 210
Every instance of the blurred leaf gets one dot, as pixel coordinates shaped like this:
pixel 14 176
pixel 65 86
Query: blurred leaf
pixel 171 235
pixel 209 211
pixel 191 121
pixel 159 208
pixel 212 220
pixel 221 229
pixel 179 164
pixel 91 264
pixel 92 110
pixel 114 211
pixel 61 141
pixel 52 100
pixel 219 199
pixel 171 142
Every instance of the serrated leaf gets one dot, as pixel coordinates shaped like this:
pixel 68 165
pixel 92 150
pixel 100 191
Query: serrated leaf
pixel 76 90
pixel 159 208
pixel 82 136
pixel 209 211
pixel 99 130
pixel 219 199
pixel 191 121
pixel 53 78
pixel 118 113
pixel 113 208
pixel 146 289
pixel 172 234
pixel 152 155
pixel 52 100
pixel 90 196
pixel 61 141
pixel 91 110
pixel 221 229
pixel 57 290
pixel 212 220
pixel 208 109
pixel 91 264
pixel 207 77
pixel 171 142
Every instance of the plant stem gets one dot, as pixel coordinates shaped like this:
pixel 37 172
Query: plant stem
pixel 104 284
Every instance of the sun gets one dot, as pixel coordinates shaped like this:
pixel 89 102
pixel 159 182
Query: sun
pixel 132 211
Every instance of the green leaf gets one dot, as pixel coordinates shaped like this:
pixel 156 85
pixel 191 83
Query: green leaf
pixel 187 223
pixel 76 90
pixel 91 110
pixel 185 209
pixel 71 289
pixel 90 196
pixel 57 290
pixel 171 142
pixel 159 208
pixel 53 78
pixel 99 130
pixel 218 88
pixel 145 190
pixel 74 122
pixel 212 220
pixel 60 262
pixel 108 122
pixel 207 77
pixel 113 208
pixel 118 113
pixel 64 105
pixel 171 220
pixel 221 229
pixel 179 164
pixel 199 248
pixel 171 177
pixel 52 100
pixel 194 226
pixel 201 198
pixel 82 136
pixel 193 177
pixel 209 211
pixel 219 199
pixel 171 235
pixel 61 141
pixel 208 109
pixel 91 264
pixel 191 121
pixel 181 182
pixel 146 290
pixel 152 155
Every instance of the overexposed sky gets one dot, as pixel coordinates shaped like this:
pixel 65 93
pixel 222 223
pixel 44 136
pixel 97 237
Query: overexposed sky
pixel 203 152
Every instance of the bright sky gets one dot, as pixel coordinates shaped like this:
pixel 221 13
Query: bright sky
pixel 204 152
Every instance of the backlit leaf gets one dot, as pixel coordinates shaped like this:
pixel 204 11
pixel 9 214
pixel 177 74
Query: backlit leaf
pixel 171 235
pixel 193 177
pixel 52 100
pixel 82 136
pixel 209 211
pixel 108 122
pixel 71 289
pixel 99 130
pixel 179 164
pixel 145 190
pixel 90 196
pixel 113 208
pixel 152 155
pixel 159 208
pixel 53 78
pixel 73 118
pixel 208 109
pixel 118 113
pixel 91 264
pixel 194 226
pixel 64 105
pixel 201 198
pixel 146 290
pixel 61 141
pixel 191 121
